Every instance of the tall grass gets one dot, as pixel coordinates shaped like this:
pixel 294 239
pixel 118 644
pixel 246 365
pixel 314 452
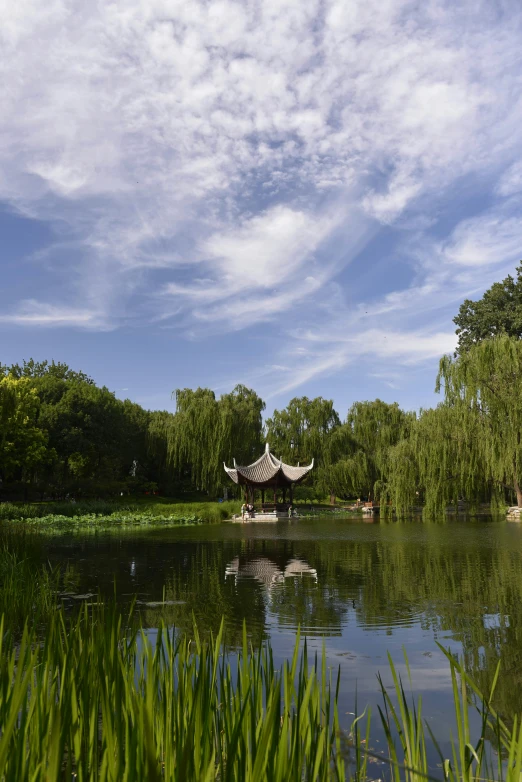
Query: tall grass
pixel 471 757
pixel 28 592
pixel 99 702
pixel 98 699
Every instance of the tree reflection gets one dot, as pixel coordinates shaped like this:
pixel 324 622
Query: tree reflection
pixel 462 582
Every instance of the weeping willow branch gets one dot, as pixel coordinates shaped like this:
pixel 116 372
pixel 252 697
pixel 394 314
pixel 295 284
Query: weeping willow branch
pixel 474 436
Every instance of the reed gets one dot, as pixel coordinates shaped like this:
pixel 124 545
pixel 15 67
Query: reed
pixel 28 593
pixel 97 701
pixel 472 757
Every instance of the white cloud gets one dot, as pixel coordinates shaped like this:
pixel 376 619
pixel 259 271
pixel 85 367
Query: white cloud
pixel 33 313
pixel 248 150
pixel 267 249
pixel 510 182
pixel 492 238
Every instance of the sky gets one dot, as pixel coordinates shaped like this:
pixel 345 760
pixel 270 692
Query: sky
pixel 295 195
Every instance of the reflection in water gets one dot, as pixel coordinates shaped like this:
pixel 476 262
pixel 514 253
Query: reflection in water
pixel 365 589
pixel 267 572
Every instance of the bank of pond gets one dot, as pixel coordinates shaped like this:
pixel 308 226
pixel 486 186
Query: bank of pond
pixel 67 514
pixel 101 513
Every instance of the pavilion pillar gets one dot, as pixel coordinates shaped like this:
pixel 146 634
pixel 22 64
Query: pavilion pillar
pixel 284 493
pixel 263 496
pixel 291 494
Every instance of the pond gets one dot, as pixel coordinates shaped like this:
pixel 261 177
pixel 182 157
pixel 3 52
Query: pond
pixel 361 589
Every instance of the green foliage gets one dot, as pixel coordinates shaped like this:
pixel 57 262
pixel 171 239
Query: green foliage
pixel 110 513
pixel 310 429
pixel 28 593
pixel 498 312
pixel 23 445
pixel 470 760
pixel 470 446
pixel 483 389
pixel 301 431
pixel 69 436
pixel 370 432
pixel 97 701
pixel 206 432
pixel 41 369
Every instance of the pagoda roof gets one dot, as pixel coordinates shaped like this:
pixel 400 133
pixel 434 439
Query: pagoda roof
pixel 268 471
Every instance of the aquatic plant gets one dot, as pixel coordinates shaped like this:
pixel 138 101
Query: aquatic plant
pixel 101 512
pixel 28 592
pixel 471 758
pixel 116 519
pixel 98 701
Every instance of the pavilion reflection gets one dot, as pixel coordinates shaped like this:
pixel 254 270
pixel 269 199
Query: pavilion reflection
pixel 266 572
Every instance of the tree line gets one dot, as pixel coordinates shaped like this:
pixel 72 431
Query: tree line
pixel 62 434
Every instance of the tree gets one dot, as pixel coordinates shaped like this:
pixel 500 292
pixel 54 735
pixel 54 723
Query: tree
pixel 483 387
pixel 431 464
pixel 300 431
pixel 499 311
pixel 7 405
pixel 372 429
pixel 471 444
pixel 23 445
pixel 308 429
pixel 34 369
pixel 206 432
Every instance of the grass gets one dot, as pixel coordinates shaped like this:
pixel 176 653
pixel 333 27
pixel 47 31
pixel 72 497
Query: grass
pixel 97 701
pixel 102 512
pixel 471 758
pixel 91 698
pixel 29 593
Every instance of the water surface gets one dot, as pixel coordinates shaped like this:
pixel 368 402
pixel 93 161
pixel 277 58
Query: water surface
pixel 360 589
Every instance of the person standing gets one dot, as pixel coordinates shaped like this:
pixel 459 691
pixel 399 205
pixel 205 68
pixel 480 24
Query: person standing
pixel 243 509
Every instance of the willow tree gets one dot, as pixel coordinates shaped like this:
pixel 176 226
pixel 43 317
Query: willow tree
pixel 436 463
pixel 373 428
pixel 470 445
pixel 308 429
pixel 301 431
pixel 207 431
pixel 483 387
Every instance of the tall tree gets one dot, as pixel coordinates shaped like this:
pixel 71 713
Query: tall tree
pixel 499 311
pixel 300 432
pixel 308 429
pixel 483 387
pixel 207 431
pixel 39 369
pixel 372 429
pixel 23 445
pixel 471 444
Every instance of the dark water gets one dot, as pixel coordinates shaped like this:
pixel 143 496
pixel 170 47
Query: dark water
pixel 361 589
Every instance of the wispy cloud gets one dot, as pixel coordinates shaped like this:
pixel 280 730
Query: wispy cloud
pixel 36 314
pixel 244 153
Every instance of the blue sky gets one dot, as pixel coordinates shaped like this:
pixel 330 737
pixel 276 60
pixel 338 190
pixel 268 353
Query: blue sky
pixel 294 195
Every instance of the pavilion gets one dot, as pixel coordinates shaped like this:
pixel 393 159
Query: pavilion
pixel 272 475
